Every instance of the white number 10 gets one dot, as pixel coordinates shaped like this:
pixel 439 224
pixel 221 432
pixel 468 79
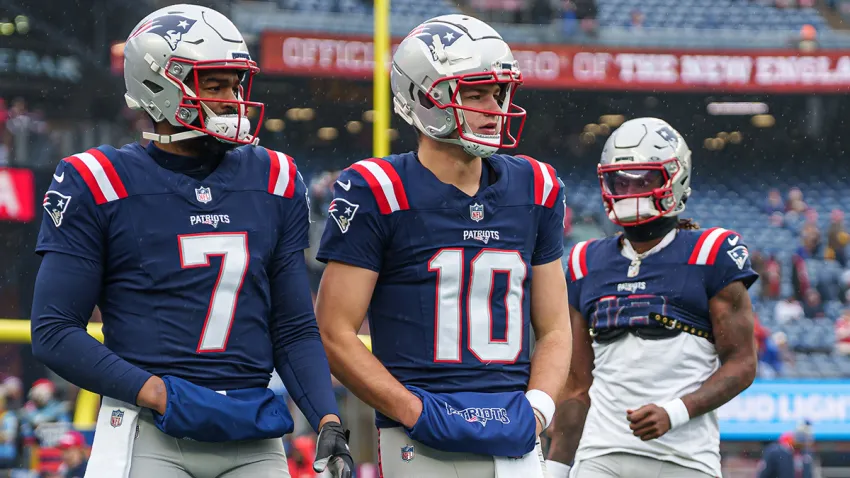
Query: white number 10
pixel 448 264
pixel 195 251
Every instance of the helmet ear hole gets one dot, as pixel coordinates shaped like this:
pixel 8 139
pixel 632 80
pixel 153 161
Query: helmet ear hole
pixel 424 101
pixel 152 87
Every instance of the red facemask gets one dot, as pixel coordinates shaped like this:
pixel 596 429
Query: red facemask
pixel 190 86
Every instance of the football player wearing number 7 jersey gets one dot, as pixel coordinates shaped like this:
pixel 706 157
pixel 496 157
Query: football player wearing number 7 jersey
pixel 193 249
pixel 455 253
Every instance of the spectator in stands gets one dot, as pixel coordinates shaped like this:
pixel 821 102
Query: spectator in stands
pixel 13 390
pixel 810 240
pixel 837 237
pixel 8 436
pixel 74 455
pixel 586 12
pixel 301 456
pixel 788 310
pixel 842 333
pixel 774 202
pixel 799 276
pixel 637 18
pixel 795 201
pixel 787 458
pixel 813 305
pixel 42 408
pixel 769 355
pixel 772 278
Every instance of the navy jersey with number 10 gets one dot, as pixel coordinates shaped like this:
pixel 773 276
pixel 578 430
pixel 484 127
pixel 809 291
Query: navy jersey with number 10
pixel 450 310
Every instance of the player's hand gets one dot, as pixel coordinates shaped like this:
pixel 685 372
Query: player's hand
pixel 539 426
pixel 413 412
pixel 153 395
pixel 648 422
pixel 332 451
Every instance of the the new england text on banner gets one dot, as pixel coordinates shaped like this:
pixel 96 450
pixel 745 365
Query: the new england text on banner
pixel 572 67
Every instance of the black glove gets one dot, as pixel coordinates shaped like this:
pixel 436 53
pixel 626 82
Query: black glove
pixel 332 451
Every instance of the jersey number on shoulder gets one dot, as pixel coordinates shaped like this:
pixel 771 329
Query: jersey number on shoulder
pixel 448 264
pixel 232 247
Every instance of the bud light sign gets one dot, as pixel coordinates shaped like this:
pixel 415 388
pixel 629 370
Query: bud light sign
pixel 770 407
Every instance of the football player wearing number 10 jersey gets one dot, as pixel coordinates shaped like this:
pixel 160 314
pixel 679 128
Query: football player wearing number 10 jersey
pixel 193 249
pixel 455 253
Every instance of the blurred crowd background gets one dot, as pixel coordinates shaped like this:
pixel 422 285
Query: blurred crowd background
pixel 757 87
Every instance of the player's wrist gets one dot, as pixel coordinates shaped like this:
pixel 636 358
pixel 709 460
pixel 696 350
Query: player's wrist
pixel 329 418
pixel 412 411
pixel 678 413
pixel 542 404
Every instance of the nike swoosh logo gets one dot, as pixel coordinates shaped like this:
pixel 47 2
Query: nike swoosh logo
pixel 345 185
pixel 733 240
pixel 59 178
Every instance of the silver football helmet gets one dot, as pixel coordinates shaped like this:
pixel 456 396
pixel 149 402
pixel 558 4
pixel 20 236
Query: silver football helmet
pixel 162 58
pixel 644 172
pixel 434 61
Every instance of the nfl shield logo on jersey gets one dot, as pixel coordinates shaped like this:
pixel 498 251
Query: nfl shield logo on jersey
pixel 476 212
pixel 117 418
pixel 407 452
pixel 204 195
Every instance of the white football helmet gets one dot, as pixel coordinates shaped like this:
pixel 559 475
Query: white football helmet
pixel 162 58
pixel 644 172
pixel 439 56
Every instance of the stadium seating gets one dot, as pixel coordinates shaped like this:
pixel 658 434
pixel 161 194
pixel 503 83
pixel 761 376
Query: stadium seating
pixel 398 7
pixel 697 14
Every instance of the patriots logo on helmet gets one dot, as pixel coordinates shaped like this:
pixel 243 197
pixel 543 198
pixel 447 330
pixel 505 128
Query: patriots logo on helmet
pixel 56 204
pixel 739 254
pixel 430 33
pixel 170 27
pixel 668 135
pixel 342 213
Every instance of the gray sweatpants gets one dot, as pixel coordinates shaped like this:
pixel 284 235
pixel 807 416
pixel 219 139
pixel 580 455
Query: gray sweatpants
pixel 626 465
pixel 157 455
pixel 421 461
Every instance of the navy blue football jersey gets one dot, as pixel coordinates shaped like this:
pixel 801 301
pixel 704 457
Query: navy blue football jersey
pixel 185 287
pixel 670 288
pixel 450 310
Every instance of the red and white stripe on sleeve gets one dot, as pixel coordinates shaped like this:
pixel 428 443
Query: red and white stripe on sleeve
pixel 546 185
pixel 385 183
pixel 283 174
pixel 708 245
pixel 99 174
pixel 578 261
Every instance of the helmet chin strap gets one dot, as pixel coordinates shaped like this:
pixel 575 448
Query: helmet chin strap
pixel 221 122
pixel 172 138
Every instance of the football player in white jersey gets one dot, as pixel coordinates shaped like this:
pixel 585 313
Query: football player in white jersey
pixel 662 323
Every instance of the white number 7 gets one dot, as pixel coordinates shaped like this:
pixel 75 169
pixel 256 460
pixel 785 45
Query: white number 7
pixel 232 247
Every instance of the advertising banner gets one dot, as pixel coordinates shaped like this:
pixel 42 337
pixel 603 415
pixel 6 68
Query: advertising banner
pixel 17 195
pixel 771 407
pixel 589 68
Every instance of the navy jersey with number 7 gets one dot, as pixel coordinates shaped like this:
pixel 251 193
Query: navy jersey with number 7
pixel 450 310
pixel 186 289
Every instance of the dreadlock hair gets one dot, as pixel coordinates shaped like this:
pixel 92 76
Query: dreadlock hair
pixel 687 225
